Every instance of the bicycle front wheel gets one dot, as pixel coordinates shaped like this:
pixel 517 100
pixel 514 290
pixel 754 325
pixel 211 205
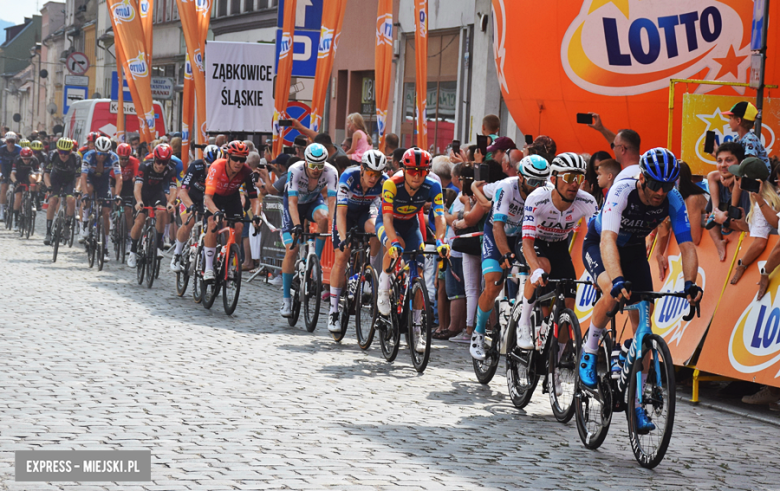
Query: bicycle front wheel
pixel 140 265
pixel 30 222
pixel 232 286
pixel 365 307
pixel 183 276
pixel 390 329
pixel 594 407
pixel 312 289
pixel 101 244
pixel 344 307
pixel 73 230
pixel 150 261
pixel 486 369
pixel 656 398
pixel 419 328
pixel 562 383
pixel 90 243
pixel 57 231
pixel 197 273
pixel 295 298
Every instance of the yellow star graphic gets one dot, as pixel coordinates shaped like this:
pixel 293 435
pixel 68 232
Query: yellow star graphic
pixel 715 121
pixel 729 63
pixel 622 5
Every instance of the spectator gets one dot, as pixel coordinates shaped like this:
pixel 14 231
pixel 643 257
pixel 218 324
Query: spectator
pixel 333 151
pixel 722 186
pixel 742 117
pixel 499 148
pixel 346 144
pixel 253 161
pixel 625 143
pixel 543 145
pixel 695 201
pixel 176 146
pixel 251 146
pixel 279 167
pixel 491 125
pixel 299 144
pixel 361 141
pixel 220 140
pixel 135 140
pixel 398 156
pixel 590 184
pixel 391 144
pixel 342 163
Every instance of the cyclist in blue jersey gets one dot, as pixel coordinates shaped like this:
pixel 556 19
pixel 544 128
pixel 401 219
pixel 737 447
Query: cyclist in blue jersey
pixel 8 154
pixel 308 182
pixel 96 168
pixel 614 249
pixel 360 190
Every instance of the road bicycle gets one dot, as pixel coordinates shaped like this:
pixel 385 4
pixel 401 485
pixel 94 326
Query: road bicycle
pixel 557 339
pixel 26 212
pixel 188 257
pixel 307 282
pixel 620 387
pixel 95 243
pixel 358 297
pixel 61 227
pixel 147 262
pixel 119 228
pixel 9 209
pixel 407 294
pixel 227 266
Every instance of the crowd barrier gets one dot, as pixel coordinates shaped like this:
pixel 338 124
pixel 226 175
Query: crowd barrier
pixel 736 336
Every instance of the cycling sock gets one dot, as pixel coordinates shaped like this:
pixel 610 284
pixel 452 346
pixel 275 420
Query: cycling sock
pixel 159 240
pixel 48 226
pixel 416 316
pixel 319 245
pixel 482 319
pixel 134 246
pixel 335 293
pixel 210 251
pixel 372 259
pixel 179 246
pixel 384 281
pixel 286 284
pixel 525 314
pixel 561 347
pixel 591 344
pixel 167 231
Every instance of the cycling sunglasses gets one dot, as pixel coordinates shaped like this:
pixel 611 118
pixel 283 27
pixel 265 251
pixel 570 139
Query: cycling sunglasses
pixel 416 171
pixel 124 159
pixel 535 183
pixel 570 177
pixel 63 152
pixel 238 159
pixel 656 185
pixel 373 173
pixel 102 154
pixel 314 166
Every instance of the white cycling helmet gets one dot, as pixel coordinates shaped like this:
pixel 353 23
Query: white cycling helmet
pixel 374 160
pixel 103 144
pixel 315 154
pixel 534 167
pixel 212 153
pixel 568 162
pixel 11 136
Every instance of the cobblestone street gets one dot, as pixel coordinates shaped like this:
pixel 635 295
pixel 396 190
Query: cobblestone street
pixel 91 360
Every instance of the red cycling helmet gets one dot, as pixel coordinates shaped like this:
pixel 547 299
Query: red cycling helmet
pixel 237 148
pixel 417 158
pixel 91 137
pixel 163 152
pixel 124 150
pixel 26 153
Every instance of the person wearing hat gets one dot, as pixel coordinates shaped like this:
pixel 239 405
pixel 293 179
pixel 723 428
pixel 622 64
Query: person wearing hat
pixel 742 117
pixel 499 148
pixel 278 167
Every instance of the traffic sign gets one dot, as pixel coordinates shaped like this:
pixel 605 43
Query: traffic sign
pixel 76 80
pixel 77 63
pixel 304 52
pixel 162 88
pixel 72 94
pixel 301 112
pixel 115 91
pixel 129 107
pixel 308 14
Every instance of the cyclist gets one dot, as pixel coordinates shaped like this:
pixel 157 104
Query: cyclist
pixel 96 169
pixel 24 143
pixel 500 239
pixel 222 198
pixel 614 250
pixel 191 195
pixel 8 154
pixel 155 183
pixel 37 147
pixel 398 226
pixel 60 177
pixel 360 189
pixel 307 184
pixel 91 139
pixel 26 170
pixel 129 165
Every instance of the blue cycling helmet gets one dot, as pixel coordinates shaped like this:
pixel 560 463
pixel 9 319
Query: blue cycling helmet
pixel 212 153
pixel 534 167
pixel 660 165
pixel 315 154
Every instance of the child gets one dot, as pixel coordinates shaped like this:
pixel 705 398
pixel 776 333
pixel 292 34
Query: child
pixel 606 173
pixel 742 117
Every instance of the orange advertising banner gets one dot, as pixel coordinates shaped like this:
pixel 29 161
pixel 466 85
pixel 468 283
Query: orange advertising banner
pixel 383 65
pixel 187 102
pixel 129 38
pixel 421 70
pixel 744 339
pixel 203 17
pixel 283 73
pixel 146 9
pixel 120 111
pixel 190 24
pixel 332 18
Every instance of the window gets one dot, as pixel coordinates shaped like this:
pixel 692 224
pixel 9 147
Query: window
pixel 249 5
pixel 235 7
pixel 159 11
pixel 175 10
pixel 222 8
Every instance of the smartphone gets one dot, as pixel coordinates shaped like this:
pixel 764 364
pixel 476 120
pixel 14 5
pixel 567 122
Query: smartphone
pixel 735 212
pixel 709 142
pixel 285 122
pixel 749 185
pixel 467 182
pixel 300 141
pixel 584 118
pixel 482 144
pixel 482 172
pixel 289 150
pixel 529 140
pixel 455 146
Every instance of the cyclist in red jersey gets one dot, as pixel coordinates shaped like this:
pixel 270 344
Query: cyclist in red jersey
pixel 91 138
pixel 129 165
pixel 222 198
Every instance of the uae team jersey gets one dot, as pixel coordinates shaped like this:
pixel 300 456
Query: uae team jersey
pixel 542 220
pixel 397 201
pixel 298 182
pixel 352 195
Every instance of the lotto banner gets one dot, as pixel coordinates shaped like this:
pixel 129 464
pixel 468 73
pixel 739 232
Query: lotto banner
pixel 146 9
pixel 383 65
pixel 702 113
pixel 283 73
pixel 744 339
pixel 187 103
pixel 332 18
pixel 120 112
pixel 127 28
pixel 191 29
pixel 203 18
pixel 421 70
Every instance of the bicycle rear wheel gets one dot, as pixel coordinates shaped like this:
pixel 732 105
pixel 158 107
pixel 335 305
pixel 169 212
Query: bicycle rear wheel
pixel 365 307
pixel 344 308
pixel 564 364
pixel 150 261
pixel 486 369
pixel 521 374
pixel 295 299
pixel 100 244
pixel 9 210
pixel 658 398
pixel 140 264
pixel 183 276
pixel 312 289
pixel 197 274
pixel 420 332
pixel 232 286
pixel 593 407
pixel 73 230
pixel 90 243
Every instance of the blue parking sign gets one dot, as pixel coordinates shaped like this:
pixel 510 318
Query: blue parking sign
pixel 308 11
pixel 305 45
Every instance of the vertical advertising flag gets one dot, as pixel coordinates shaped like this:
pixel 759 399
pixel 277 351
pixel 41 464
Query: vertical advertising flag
pixel 187 103
pixel 190 22
pixel 127 29
pixel 383 64
pixel 202 17
pixel 332 18
pixel 421 67
pixel 120 112
pixel 283 72
pixel 146 9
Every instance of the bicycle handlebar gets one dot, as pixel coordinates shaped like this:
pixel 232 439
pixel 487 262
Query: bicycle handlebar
pixel 505 272
pixel 233 221
pixel 414 257
pixel 298 237
pixel 650 296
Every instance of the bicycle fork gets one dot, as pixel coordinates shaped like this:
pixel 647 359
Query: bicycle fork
pixel 635 351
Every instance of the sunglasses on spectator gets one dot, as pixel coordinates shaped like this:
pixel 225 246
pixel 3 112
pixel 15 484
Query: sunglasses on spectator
pixel 238 159
pixel 613 146
pixel 416 171
pixel 570 177
pixel 656 185
pixel 319 166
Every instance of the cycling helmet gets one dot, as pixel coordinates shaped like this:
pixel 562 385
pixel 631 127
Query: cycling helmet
pixel 163 152
pixel 212 153
pixel 26 153
pixel 65 144
pixel 374 160
pixel 660 165
pixel 315 154
pixel 103 144
pixel 568 162
pixel 124 150
pixel 24 143
pixel 93 136
pixel 416 157
pixel 11 136
pixel 237 148
pixel 534 167
pixel 36 145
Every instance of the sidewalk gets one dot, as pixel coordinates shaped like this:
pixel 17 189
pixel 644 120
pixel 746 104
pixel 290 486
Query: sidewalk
pixel 710 396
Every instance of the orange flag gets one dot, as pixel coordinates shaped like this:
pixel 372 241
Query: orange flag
pixel 332 19
pixel 421 73
pixel 146 9
pixel 129 34
pixel 203 17
pixel 383 65
pixel 283 73
pixel 120 112
pixel 186 113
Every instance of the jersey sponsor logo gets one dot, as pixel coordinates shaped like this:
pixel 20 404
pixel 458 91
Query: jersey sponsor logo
pixel 407 210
